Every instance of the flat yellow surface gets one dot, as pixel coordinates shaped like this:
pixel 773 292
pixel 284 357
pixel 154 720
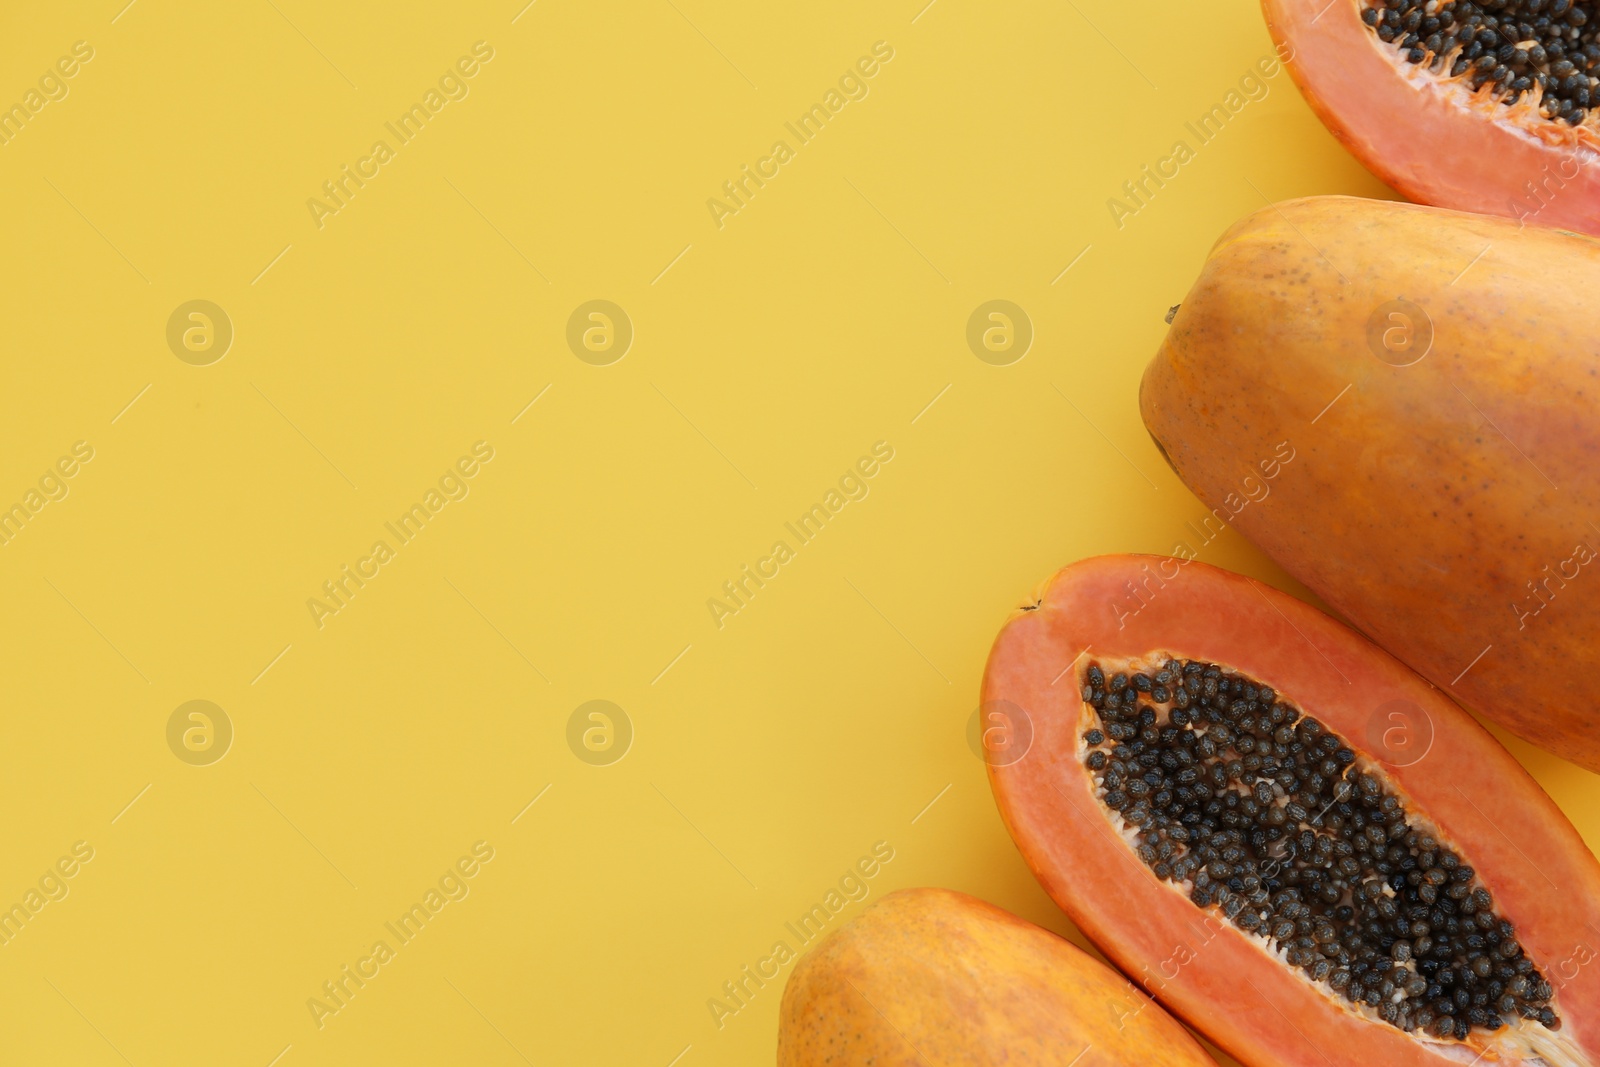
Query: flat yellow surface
pixel 405 341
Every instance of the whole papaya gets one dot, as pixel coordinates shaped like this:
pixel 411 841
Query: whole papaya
pixel 1401 406
pixel 931 976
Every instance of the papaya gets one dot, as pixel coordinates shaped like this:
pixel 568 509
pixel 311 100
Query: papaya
pixel 932 976
pixel 1400 405
pixel 1488 106
pixel 1295 843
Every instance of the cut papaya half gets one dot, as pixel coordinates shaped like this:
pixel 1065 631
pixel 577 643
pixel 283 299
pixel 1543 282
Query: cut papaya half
pixel 1292 841
pixel 932 976
pixel 1490 106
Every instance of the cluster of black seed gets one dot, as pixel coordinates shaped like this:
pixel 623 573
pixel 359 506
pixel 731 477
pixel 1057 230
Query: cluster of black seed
pixel 1513 44
pixel 1266 814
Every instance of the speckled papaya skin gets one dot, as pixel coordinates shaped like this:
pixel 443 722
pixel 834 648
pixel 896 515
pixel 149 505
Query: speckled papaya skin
pixel 1437 377
pixel 931 976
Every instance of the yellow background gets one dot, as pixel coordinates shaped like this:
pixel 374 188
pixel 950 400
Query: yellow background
pixel 823 317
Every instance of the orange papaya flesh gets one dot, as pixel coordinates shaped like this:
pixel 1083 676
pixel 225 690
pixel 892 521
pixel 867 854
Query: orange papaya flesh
pixel 1427 117
pixel 1256 993
pixel 1432 377
pixel 931 976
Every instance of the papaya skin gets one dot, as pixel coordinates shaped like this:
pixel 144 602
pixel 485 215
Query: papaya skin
pixel 1433 138
pixel 932 976
pixel 1450 508
pixel 1224 982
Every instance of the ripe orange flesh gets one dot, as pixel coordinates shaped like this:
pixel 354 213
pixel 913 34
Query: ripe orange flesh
pixel 1222 981
pixel 1430 136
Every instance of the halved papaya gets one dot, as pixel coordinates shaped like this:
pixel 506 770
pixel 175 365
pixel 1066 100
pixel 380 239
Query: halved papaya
pixel 934 977
pixel 1401 406
pixel 1295 843
pixel 1489 106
